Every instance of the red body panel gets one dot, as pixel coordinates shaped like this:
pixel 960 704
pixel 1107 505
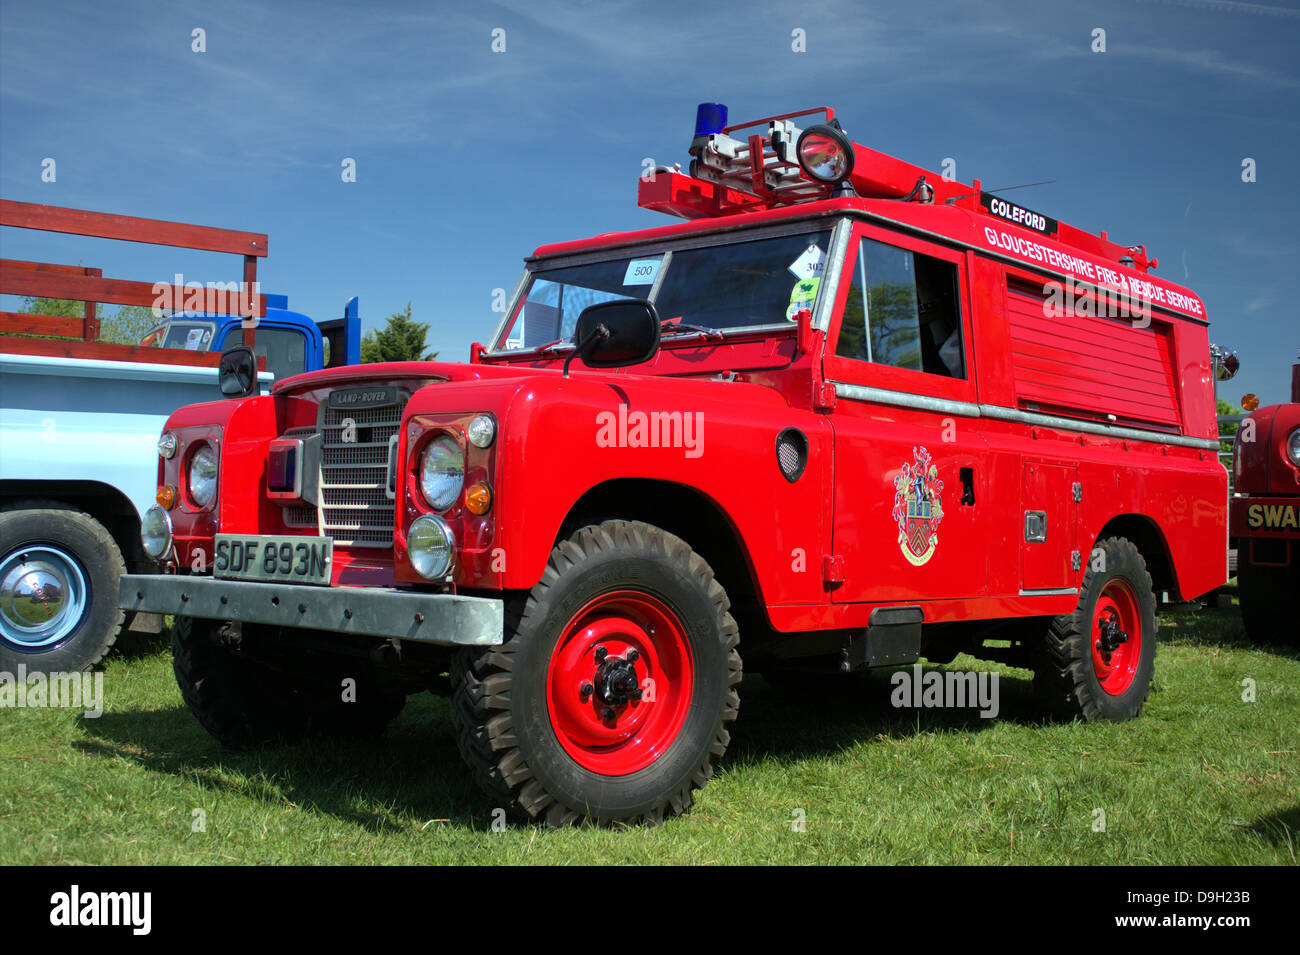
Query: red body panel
pixel 917 486
pixel 1267 482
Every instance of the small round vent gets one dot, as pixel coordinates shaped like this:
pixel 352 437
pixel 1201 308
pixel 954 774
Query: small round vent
pixel 792 453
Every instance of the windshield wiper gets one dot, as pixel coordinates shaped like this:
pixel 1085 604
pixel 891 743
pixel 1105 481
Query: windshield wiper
pixel 543 349
pixel 670 327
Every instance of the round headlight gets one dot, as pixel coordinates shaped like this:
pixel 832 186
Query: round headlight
pixel 481 430
pixel 203 475
pixel 1293 447
pixel 442 472
pixel 825 154
pixel 156 532
pixel 431 546
pixel 167 445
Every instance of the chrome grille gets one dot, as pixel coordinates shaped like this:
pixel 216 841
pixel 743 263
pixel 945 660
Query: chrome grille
pixel 355 508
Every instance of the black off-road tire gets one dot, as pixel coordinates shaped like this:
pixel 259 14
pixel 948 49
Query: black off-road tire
pixel 245 703
pixel 499 704
pixel 1065 679
pixel 1270 602
pixel 89 544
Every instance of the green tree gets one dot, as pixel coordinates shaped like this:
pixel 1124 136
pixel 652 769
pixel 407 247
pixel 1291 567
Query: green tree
pixel 1227 430
pixel 126 326
pixel 58 307
pixel 401 339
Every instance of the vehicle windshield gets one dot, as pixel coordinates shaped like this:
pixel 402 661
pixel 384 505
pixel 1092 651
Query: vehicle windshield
pixel 745 284
pixel 190 335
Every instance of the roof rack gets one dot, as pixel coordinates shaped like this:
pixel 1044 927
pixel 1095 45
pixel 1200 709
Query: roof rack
pixel 760 169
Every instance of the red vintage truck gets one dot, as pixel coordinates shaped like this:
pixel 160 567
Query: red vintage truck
pixel 849 414
pixel 1265 519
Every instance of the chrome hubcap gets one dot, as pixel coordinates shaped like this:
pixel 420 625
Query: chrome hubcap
pixel 43 596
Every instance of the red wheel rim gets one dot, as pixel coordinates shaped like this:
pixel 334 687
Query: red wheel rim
pixel 606 734
pixel 1116 638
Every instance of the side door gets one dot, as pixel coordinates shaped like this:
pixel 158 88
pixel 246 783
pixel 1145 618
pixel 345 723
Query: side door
pixel 1049 494
pixel 911 485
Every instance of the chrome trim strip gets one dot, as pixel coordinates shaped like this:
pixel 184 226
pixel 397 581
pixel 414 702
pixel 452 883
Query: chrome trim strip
pixel 838 252
pixel 1058 592
pixel 666 261
pixel 905 399
pixel 510 305
pixel 1096 427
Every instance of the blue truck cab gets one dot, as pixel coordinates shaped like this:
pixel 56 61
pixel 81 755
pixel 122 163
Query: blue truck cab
pixel 290 342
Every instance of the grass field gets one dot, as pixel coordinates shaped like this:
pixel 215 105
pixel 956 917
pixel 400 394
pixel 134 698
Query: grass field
pixel 1202 777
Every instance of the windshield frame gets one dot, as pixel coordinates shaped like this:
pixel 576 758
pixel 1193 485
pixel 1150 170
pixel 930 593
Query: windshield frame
pixel 836 223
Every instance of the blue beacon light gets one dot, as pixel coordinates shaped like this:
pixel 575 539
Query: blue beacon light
pixel 710 118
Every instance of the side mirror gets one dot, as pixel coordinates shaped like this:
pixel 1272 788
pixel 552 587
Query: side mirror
pixel 237 372
pixel 1225 363
pixel 616 334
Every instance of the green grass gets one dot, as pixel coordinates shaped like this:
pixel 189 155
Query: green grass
pixel 1202 777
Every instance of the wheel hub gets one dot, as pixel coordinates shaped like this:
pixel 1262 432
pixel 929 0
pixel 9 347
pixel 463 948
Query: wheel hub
pixel 1111 638
pixel 1117 638
pixel 620 682
pixel 43 594
pixel 616 678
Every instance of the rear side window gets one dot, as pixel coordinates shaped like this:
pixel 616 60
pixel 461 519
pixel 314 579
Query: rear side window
pixel 284 349
pixel 902 311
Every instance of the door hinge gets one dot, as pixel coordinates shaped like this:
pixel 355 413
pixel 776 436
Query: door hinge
pixel 1078 492
pixel 824 400
pixel 833 569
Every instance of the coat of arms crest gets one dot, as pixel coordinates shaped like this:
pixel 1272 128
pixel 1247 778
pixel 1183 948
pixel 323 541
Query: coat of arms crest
pixel 918 508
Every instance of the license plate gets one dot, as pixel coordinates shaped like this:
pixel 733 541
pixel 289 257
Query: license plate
pixel 294 560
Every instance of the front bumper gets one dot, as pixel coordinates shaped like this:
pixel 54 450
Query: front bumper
pixel 443 619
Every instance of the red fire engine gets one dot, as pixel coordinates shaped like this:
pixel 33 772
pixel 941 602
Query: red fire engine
pixel 1265 518
pixel 848 415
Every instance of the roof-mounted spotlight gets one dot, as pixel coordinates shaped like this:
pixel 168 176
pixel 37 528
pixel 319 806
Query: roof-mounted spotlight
pixel 825 153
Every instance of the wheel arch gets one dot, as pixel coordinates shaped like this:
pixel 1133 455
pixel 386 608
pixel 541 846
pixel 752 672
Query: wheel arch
pixel 104 502
pixel 689 514
pixel 1150 541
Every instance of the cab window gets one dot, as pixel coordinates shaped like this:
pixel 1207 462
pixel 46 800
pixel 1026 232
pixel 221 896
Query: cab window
pixel 902 310
pixel 284 349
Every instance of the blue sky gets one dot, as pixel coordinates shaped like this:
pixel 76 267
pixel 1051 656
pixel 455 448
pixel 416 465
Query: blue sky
pixel 468 159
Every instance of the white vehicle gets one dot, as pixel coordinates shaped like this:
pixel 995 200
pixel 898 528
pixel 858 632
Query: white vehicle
pixel 80 421
pixel 78 446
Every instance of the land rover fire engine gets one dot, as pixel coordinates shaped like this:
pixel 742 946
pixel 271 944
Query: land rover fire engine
pixel 847 415
pixel 1265 518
